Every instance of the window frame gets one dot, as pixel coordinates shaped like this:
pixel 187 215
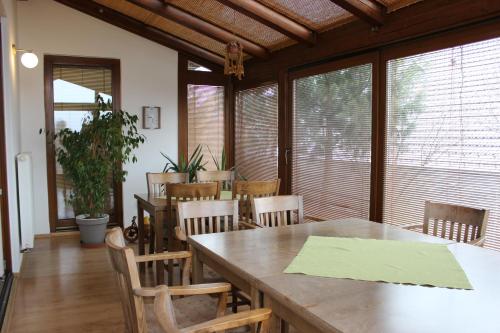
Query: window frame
pixel 215 78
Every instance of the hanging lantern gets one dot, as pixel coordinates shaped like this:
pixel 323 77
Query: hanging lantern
pixel 234 60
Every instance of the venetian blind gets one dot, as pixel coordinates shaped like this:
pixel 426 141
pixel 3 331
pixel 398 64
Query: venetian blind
pixel 443 133
pixel 206 121
pixel 332 142
pixel 256 133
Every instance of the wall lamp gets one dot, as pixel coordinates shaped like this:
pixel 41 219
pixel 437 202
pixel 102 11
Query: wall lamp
pixel 28 59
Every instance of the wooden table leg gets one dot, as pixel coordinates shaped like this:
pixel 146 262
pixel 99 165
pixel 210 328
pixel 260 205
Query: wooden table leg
pixel 197 266
pixel 160 274
pixel 140 227
pixel 255 303
pixel 275 321
pixel 169 224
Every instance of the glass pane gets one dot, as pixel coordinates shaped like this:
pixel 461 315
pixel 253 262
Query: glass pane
pixel 443 133
pixel 206 122
pixel 332 142
pixel 74 96
pixel 192 66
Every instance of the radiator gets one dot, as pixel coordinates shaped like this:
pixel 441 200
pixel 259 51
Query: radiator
pixel 25 198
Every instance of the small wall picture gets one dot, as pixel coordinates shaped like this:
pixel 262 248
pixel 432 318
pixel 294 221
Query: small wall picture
pixel 150 117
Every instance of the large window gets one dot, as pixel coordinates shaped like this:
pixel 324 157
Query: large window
pixel 206 121
pixel 256 133
pixel 332 115
pixel 443 133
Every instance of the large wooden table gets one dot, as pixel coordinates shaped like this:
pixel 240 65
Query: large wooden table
pixel 254 260
pixel 156 206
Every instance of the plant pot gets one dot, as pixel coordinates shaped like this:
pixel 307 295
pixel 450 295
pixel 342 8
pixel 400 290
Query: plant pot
pixel 92 231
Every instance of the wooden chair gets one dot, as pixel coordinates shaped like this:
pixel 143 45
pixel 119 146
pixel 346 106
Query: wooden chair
pixel 246 191
pixel 278 211
pixel 156 186
pixel 156 181
pixel 202 217
pixel 177 193
pixel 459 223
pixel 224 177
pixel 196 312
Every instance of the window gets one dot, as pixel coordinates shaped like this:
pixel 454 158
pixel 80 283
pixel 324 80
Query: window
pixel 443 133
pixel 192 66
pixel 206 121
pixel 332 142
pixel 256 133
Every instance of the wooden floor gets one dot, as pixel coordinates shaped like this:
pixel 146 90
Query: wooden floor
pixel 64 288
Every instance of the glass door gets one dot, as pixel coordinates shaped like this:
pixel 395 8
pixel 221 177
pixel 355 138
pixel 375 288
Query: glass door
pixel 332 139
pixel 74 89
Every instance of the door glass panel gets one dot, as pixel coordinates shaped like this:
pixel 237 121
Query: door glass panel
pixel 75 89
pixel 332 142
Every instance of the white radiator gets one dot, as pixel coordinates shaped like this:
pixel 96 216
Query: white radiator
pixel 25 201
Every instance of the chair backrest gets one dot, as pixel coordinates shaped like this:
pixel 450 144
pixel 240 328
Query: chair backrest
pixel 156 181
pixel 127 276
pixel 224 177
pixel 203 217
pixel 246 191
pixel 459 223
pixel 278 211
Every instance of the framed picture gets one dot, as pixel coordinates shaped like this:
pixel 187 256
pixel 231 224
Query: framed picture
pixel 151 117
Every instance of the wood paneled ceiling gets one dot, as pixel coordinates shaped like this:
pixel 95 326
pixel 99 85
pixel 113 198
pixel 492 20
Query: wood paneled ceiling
pixel 201 28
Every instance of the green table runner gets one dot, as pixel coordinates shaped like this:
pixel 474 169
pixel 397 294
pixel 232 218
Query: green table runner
pixel 380 260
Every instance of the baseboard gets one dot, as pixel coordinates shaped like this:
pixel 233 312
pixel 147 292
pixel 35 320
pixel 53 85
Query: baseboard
pixel 58 234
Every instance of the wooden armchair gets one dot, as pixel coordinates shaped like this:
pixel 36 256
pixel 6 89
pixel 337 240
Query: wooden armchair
pixel 246 191
pixel 278 211
pixel 197 316
pixel 459 223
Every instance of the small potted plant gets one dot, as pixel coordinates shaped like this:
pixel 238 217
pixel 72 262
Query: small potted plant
pixel 91 157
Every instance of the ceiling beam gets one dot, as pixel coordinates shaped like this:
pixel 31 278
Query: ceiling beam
pixel 370 11
pixel 272 19
pixel 139 28
pixel 188 20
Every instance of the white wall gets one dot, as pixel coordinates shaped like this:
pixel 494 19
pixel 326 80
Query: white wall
pixel 12 120
pixel 148 77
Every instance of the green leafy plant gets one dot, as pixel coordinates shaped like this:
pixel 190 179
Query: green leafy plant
pixel 91 156
pixel 220 165
pixel 190 166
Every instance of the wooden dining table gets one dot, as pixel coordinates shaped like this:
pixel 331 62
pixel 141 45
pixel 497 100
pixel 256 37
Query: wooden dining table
pixel 254 261
pixel 156 207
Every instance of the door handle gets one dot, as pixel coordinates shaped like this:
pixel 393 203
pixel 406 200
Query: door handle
pixel 287 151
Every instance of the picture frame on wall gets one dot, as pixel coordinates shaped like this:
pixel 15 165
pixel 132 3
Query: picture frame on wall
pixel 151 117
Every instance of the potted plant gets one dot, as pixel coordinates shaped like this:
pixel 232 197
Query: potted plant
pixel 193 164
pixel 91 157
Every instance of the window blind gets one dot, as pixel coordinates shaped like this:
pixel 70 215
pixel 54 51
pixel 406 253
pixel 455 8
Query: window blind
pixel 256 133
pixel 206 122
pixel 443 133
pixel 332 142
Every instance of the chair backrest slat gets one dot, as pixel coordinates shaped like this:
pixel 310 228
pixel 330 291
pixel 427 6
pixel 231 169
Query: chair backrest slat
pixel 470 223
pixel 214 216
pixel 246 191
pixel 225 178
pixel 278 211
pixel 156 181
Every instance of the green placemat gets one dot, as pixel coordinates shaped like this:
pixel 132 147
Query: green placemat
pixel 380 260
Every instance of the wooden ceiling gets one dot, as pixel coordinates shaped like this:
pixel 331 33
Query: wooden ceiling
pixel 201 28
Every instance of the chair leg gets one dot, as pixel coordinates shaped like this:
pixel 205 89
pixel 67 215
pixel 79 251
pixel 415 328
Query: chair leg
pixel 151 240
pixel 234 300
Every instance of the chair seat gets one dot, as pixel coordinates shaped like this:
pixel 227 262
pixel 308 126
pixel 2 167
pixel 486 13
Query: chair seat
pixel 189 311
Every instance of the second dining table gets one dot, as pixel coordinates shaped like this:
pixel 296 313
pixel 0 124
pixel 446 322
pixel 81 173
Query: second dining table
pixel 156 207
pixel 254 261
